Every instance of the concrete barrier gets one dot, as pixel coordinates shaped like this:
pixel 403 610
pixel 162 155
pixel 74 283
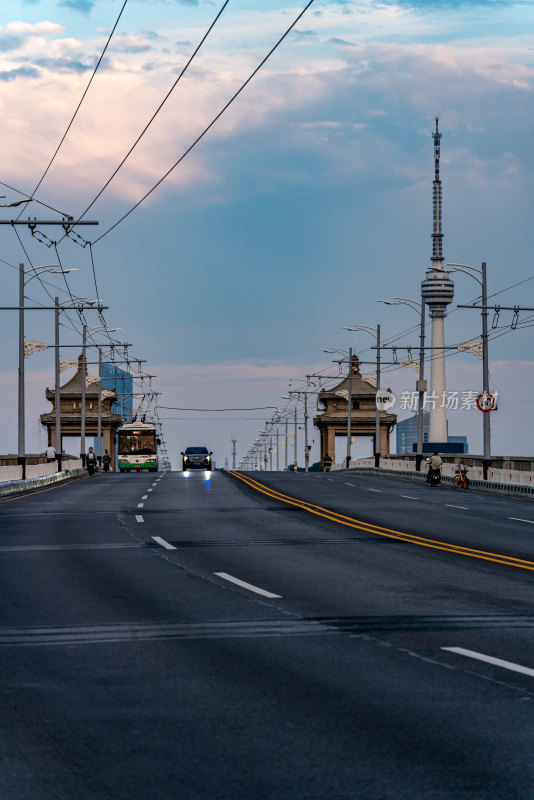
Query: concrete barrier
pixel 17 486
pixel 514 482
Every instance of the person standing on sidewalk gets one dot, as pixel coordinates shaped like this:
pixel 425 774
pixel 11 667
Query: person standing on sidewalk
pixel 50 453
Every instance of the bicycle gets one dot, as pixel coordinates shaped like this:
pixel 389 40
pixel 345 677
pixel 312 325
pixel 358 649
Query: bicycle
pixel 460 480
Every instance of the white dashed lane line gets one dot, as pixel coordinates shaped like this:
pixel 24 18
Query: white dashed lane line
pixel 448 505
pixel 140 505
pixel 245 585
pixel 497 662
pixel 409 497
pixel 139 518
pixel 350 484
pixel 518 519
pixel 375 490
pixel 163 543
pixel 150 490
pixel 144 497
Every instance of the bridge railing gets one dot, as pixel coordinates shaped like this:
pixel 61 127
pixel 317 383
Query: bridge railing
pixel 9 474
pixel 496 475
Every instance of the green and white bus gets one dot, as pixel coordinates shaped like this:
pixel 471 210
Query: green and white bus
pixel 137 447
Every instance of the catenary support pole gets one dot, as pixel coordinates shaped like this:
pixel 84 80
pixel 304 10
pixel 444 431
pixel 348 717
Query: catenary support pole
pixel 306 448
pixel 421 404
pixel 295 456
pixel 486 421
pixel 57 393
pixel 349 411
pixel 84 371
pixel 377 425
pixel 99 424
pixel 21 459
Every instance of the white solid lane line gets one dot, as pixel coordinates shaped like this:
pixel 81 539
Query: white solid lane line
pixel 498 662
pixel 140 505
pixel 244 585
pixel 409 497
pixel 163 543
pixel 139 518
pixel 518 519
pixel 144 497
pixel 451 506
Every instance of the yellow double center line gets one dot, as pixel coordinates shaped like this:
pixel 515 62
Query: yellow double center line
pixel 389 533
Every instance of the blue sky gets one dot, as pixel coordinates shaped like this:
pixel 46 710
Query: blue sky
pixel 306 203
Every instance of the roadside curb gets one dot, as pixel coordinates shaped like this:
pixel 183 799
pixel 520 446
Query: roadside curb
pixel 16 487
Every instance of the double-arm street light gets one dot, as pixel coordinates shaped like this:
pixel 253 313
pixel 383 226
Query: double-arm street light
pixel 473 272
pixel 33 272
pixel 348 456
pixel 307 448
pixel 375 332
pixel 421 386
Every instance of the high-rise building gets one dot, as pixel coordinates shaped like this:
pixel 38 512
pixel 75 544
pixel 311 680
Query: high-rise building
pixel 437 291
pixel 113 377
pixel 406 432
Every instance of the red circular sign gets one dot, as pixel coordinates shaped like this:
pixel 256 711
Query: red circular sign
pixel 486 401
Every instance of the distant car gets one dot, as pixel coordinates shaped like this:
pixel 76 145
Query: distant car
pixel 196 458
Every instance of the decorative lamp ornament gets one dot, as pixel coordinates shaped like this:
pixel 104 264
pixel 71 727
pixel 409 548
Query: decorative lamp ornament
pixel 472 346
pixel 32 346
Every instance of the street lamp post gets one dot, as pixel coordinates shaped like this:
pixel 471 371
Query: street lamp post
pixel 21 424
pixel 376 333
pixel 84 371
pixel 306 448
pixel 99 424
pixel 419 308
pixel 486 422
pixel 348 456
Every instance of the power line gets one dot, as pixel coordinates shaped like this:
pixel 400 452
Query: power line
pixel 81 100
pixel 212 123
pixel 253 408
pixel 155 114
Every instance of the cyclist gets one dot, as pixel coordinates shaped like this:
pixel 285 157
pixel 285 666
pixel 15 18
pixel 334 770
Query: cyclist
pixel 433 463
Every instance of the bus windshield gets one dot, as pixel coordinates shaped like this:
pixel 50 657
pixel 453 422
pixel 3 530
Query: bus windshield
pixel 141 444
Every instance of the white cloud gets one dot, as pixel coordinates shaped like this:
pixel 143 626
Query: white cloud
pixel 44 28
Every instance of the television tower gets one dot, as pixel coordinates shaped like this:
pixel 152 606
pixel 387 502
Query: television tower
pixel 437 292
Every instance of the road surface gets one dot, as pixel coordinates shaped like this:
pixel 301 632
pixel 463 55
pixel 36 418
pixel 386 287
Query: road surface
pixel 165 636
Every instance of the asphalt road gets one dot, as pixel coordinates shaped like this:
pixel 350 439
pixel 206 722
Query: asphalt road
pixel 193 637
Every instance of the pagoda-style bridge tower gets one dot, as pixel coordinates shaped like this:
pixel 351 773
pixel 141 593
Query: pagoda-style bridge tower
pixel 333 421
pixel 71 412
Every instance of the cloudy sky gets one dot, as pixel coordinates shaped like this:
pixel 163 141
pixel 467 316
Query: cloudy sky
pixel 306 202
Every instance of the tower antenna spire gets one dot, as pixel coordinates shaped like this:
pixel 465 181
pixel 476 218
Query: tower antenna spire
pixel 437 234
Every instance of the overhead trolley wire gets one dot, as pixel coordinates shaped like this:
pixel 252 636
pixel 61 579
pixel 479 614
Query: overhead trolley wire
pixel 211 124
pixel 156 112
pixel 81 100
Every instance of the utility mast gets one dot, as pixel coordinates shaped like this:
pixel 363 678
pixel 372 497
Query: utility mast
pixel 234 441
pixel 437 292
